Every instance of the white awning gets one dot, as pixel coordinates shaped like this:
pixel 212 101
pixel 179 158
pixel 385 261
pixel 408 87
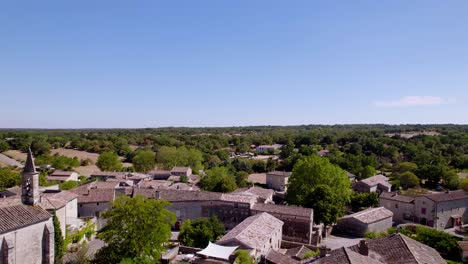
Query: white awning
pixel 217 251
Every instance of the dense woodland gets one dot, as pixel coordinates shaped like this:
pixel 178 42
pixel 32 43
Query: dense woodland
pixel 363 150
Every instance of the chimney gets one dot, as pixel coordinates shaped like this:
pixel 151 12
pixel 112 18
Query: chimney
pixel 157 195
pixel 363 248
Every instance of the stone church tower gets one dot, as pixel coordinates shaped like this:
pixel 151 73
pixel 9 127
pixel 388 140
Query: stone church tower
pixel 30 182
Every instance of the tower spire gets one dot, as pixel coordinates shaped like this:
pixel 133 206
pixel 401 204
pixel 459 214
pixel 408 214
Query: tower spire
pixel 30 182
pixel 29 166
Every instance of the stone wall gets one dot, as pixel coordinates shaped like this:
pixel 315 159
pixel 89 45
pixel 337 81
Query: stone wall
pixel 92 209
pixel 27 245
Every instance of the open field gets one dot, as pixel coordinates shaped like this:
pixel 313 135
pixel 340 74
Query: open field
pixel 413 134
pixel 16 155
pixel 82 155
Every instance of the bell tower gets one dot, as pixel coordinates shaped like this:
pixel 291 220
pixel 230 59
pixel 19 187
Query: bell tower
pixel 30 182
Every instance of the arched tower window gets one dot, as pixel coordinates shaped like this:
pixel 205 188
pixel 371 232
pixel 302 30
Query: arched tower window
pixel 4 252
pixel 46 246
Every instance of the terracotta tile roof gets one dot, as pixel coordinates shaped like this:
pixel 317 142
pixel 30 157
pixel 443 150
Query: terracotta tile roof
pixel 280 173
pixel 62 173
pixel 155 184
pixel 179 195
pixel 109 174
pixel 180 186
pixel 346 256
pixel 448 196
pixel 283 209
pixel 16 216
pixel 256 191
pixel 371 215
pixel 255 231
pixel 238 198
pixel 398 248
pixel 397 197
pixel 298 252
pixel 56 200
pixel 276 257
pixel 374 180
pixel 95 195
pixel 10 192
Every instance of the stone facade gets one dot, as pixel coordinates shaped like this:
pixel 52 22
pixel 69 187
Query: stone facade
pixel 372 219
pixel 377 183
pixel 277 180
pixel 438 210
pixel 33 244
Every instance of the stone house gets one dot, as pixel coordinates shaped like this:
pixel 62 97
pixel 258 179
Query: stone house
pixel 63 176
pixel 391 249
pixel 439 210
pixel 372 219
pixel 231 209
pixel 402 206
pixel 378 183
pixel 298 222
pixel 26 230
pixel 96 197
pixel 65 206
pixel 263 195
pixel 181 171
pixel 258 233
pixel 278 180
pixel 26 234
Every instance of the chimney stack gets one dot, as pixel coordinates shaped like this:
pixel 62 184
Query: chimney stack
pixel 363 248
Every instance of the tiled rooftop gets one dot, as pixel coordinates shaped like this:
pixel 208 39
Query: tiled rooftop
pixel 371 215
pixel 283 209
pixel 255 231
pixel 16 215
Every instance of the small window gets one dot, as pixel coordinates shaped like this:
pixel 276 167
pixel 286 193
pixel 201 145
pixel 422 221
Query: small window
pixel 396 205
pixel 423 210
pixel 97 203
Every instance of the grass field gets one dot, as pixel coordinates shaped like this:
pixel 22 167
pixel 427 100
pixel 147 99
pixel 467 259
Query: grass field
pixel 16 155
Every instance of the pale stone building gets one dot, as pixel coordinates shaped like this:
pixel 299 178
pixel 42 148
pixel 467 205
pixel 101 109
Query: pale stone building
pixel 378 183
pixel 63 176
pixel 26 229
pixel 65 206
pixel 181 171
pixel 372 219
pixel 439 210
pixel 257 234
pixel 278 180
pixel 391 249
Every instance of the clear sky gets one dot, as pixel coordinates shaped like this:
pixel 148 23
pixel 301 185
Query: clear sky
pixel 91 64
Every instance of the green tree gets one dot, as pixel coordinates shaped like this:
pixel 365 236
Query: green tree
pixel 243 257
pixel 218 180
pixel 9 178
pixel 198 232
pixel 136 228
pixel 367 172
pixel 405 166
pixel 144 161
pixel 318 184
pixel 58 239
pixel 40 146
pixel 109 161
pixel 4 146
pixel 360 201
pixel 408 180
pixel 68 185
pixel 464 184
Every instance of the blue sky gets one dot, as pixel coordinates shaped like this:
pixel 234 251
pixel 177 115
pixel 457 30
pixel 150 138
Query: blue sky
pixel 91 64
